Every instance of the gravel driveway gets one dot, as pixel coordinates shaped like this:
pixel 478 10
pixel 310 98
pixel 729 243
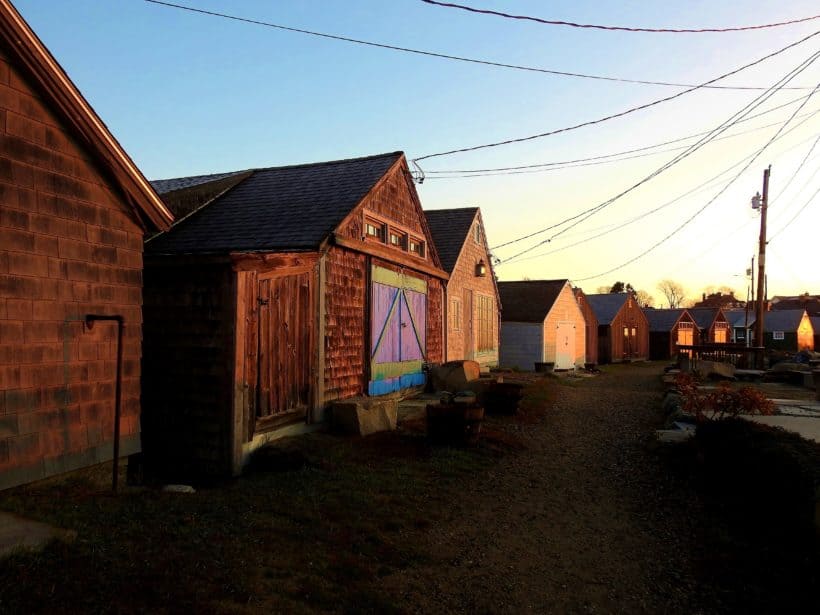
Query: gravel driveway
pixel 585 519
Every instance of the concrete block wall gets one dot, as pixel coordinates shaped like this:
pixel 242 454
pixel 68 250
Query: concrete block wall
pixel 69 245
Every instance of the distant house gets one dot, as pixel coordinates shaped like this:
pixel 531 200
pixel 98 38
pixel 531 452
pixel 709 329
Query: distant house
pixel 283 290
pixel 720 300
pixel 740 322
pixel 810 303
pixel 591 326
pixel 623 331
pixel 472 306
pixel 73 212
pixel 788 330
pixel 541 323
pixel 668 329
pixel 815 324
pixel 712 324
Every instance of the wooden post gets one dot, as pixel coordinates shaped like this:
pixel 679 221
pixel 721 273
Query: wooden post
pixel 761 265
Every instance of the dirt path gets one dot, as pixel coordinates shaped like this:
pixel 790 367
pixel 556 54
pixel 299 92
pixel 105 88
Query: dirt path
pixel 583 520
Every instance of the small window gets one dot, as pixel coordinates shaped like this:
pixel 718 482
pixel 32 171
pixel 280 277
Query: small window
pixel 477 233
pixel 416 247
pixel 374 230
pixel 398 240
pixel 778 335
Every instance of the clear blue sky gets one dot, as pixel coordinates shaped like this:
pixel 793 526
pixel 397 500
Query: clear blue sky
pixel 187 94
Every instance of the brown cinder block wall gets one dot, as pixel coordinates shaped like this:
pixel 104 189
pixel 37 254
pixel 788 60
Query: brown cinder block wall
pixel 69 245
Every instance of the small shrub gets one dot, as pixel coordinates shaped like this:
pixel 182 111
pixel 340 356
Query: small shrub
pixel 723 402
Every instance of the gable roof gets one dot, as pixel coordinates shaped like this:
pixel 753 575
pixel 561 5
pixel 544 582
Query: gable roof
pixel 163 186
pixel 663 320
pixel 528 300
pixel 782 320
pixel 704 317
pixel 737 317
pixel 63 96
pixel 450 228
pixel 607 305
pixel 279 208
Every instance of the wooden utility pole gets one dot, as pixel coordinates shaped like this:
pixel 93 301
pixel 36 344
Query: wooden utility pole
pixel 761 264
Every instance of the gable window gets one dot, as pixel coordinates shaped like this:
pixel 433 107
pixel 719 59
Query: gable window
pixel 374 230
pixel 477 233
pixel 416 247
pixel 486 317
pixel 398 240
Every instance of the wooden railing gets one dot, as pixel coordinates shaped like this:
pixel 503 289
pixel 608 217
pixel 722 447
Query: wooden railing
pixel 742 357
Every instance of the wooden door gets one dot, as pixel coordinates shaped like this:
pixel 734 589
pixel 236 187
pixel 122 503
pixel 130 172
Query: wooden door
pixel 564 345
pixel 284 337
pixel 398 331
pixel 468 324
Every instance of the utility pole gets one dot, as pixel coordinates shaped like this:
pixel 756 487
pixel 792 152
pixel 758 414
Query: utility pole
pixel 761 260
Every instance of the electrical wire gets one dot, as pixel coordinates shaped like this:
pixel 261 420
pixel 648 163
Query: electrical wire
pixel 629 151
pixel 709 183
pixel 598 161
pixel 725 125
pixel 708 203
pixel 613 115
pixel 794 217
pixel 554 22
pixel 446 56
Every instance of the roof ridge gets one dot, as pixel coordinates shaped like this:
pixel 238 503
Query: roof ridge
pixel 530 281
pixel 451 209
pixel 289 166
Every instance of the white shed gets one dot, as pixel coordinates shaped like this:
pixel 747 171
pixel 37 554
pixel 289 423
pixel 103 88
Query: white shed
pixel 541 323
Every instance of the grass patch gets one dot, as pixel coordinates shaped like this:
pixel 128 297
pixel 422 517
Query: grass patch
pixel 319 537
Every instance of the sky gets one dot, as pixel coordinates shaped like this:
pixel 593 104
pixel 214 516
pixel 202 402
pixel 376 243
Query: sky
pixel 188 94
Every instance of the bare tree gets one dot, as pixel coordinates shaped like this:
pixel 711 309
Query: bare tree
pixel 674 292
pixel 644 299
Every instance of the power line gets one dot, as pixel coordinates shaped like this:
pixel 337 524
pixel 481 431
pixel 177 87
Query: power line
pixel 799 211
pixel 446 56
pixel 610 158
pixel 554 22
pixel 708 203
pixel 699 188
pixel 725 125
pixel 629 151
pixel 614 115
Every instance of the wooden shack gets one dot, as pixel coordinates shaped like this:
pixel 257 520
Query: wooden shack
pixel 541 323
pixel 787 331
pixel 623 331
pixel 591 327
pixel 285 289
pixel 73 211
pixel 472 308
pixel 712 324
pixel 669 328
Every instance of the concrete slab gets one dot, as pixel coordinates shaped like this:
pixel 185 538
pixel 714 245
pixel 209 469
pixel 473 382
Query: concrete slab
pixel 804 426
pixel 19 533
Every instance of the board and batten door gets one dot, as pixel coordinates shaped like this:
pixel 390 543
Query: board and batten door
pixel 284 337
pixel 564 345
pixel 468 324
pixel 398 331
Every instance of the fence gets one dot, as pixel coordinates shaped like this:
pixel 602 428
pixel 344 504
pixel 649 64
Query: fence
pixel 742 357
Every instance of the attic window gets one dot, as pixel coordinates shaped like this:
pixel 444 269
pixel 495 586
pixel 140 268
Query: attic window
pixel 398 240
pixel 374 230
pixel 477 233
pixel 416 246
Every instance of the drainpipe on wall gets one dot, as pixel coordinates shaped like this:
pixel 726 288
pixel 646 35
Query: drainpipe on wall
pixel 90 319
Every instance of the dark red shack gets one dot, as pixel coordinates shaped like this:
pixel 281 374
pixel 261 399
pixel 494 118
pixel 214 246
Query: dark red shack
pixel 285 289
pixel 73 211
pixel 623 331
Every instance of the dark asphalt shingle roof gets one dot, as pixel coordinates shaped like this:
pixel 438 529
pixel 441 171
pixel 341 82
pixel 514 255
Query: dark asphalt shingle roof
pixel 737 317
pixel 607 305
pixel 163 186
pixel 815 324
pixel 782 320
pixel 663 320
pixel 704 317
pixel 529 300
pixel 280 208
pixel 450 228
